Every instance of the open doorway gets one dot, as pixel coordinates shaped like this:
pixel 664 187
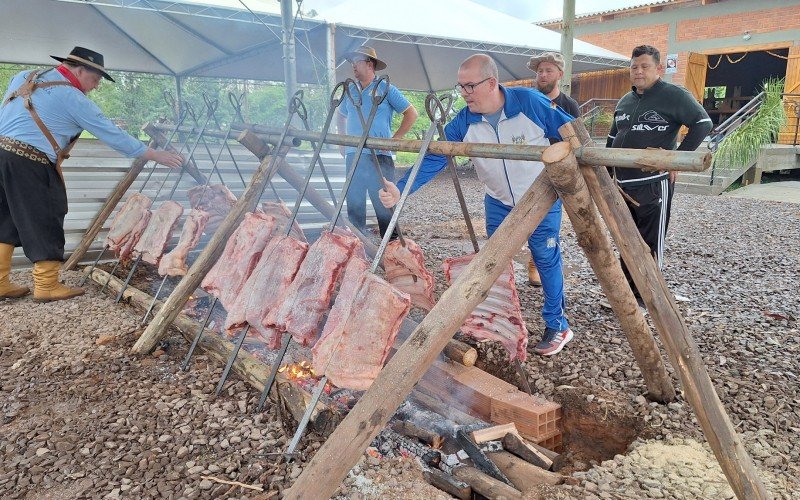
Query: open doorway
pixel 732 80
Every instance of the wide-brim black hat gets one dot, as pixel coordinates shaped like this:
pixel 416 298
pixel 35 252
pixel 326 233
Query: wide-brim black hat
pixel 88 58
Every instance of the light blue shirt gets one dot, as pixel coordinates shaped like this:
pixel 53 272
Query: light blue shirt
pixel 66 112
pixel 395 102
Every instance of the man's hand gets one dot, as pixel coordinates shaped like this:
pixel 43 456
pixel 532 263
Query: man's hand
pixel 167 158
pixel 390 195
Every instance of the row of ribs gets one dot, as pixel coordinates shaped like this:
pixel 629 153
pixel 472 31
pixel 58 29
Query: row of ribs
pixel 279 285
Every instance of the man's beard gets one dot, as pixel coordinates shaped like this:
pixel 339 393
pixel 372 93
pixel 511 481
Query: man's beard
pixel 545 88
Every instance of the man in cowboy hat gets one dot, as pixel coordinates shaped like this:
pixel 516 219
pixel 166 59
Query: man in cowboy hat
pixel 549 69
pixel 42 114
pixel 365 62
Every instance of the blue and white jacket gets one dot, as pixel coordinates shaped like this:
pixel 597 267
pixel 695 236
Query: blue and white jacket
pixel 528 117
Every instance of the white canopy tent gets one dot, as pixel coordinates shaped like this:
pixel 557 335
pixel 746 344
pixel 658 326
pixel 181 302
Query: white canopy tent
pixel 422 41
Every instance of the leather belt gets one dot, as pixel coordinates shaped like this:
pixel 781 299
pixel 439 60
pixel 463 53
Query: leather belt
pixel 24 150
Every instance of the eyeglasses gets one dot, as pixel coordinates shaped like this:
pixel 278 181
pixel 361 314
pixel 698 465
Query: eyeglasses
pixel 468 88
pixel 356 60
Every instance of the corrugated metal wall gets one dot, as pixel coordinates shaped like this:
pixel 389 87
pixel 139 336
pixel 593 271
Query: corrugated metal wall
pixel 93 170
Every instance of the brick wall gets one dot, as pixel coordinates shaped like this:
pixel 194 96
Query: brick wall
pixel 623 41
pixel 760 21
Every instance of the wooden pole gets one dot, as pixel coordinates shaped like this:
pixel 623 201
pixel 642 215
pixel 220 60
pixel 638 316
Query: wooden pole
pixel 105 211
pixel 562 169
pixel 523 475
pixel 157 328
pixel 681 347
pixel 343 448
pixel 688 161
pixel 461 353
pixel 484 484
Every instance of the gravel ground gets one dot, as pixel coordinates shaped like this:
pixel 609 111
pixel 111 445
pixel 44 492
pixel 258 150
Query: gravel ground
pixel 83 418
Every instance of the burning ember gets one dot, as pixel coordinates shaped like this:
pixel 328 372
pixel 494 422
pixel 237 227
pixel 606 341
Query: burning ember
pixel 298 371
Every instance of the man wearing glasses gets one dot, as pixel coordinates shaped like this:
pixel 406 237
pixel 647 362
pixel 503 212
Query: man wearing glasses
pixel 365 62
pixel 496 114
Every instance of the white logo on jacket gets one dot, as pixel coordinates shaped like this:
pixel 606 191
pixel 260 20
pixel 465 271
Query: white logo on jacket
pixel 622 117
pixel 507 180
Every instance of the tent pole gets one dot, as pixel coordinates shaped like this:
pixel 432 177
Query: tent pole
pixel 179 94
pixel 289 61
pixel 567 33
pixel 330 56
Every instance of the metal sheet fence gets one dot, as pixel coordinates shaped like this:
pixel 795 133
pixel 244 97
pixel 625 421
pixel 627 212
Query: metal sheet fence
pixel 93 170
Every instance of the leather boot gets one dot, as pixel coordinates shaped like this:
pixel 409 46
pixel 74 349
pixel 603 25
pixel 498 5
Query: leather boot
pixel 9 290
pixel 533 274
pixel 46 287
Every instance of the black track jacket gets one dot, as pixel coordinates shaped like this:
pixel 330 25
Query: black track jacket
pixel 652 120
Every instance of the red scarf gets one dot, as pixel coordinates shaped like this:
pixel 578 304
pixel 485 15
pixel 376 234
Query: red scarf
pixel 69 76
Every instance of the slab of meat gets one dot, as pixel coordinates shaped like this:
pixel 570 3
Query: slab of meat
pixel 405 269
pixel 265 288
pixel 241 254
pixel 351 280
pixel 174 262
pixel 353 352
pixel 216 199
pixel 128 225
pixel 281 212
pixel 309 295
pixel 158 234
pixel 499 317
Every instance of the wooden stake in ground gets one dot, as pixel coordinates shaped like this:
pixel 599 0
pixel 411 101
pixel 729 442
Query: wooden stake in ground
pixel 157 328
pixel 562 169
pixel 684 354
pixel 343 448
pixel 105 211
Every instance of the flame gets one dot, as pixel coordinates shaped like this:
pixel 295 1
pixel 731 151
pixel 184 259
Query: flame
pixel 298 371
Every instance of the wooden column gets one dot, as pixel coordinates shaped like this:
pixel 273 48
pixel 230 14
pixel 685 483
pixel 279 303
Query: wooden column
pixel 105 211
pixel 562 169
pixel 157 328
pixel 341 451
pixel 684 354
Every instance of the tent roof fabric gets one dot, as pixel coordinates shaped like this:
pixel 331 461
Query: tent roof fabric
pixel 422 41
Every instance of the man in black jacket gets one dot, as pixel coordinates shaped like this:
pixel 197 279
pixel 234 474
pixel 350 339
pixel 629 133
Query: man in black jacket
pixel 650 116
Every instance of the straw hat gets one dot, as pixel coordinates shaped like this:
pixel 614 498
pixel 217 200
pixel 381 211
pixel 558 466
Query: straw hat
pixel 368 52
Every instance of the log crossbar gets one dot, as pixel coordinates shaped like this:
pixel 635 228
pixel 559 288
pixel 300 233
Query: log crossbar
pixel 655 159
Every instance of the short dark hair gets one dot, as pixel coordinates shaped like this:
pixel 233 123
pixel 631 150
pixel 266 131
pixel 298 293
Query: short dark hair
pixel 647 50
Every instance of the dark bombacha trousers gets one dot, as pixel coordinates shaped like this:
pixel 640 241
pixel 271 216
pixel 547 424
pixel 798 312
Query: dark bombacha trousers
pixel 33 204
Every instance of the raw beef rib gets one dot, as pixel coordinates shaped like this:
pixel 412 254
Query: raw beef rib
pixel 174 262
pixel 282 214
pixel 216 199
pixel 266 287
pixel 159 232
pixel 354 350
pixel 128 225
pixel 405 269
pixel 241 254
pixel 499 317
pixel 309 295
